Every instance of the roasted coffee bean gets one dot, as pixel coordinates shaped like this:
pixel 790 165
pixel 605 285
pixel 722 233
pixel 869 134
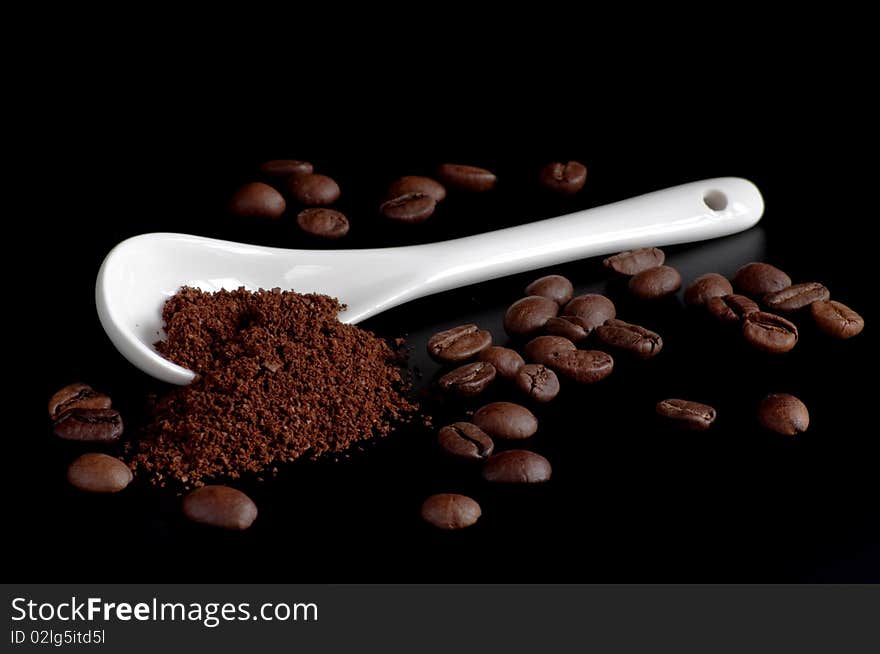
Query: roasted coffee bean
pixel 538 382
pixel 836 319
pixel 655 282
pixel 99 473
pixel 409 208
pixel 567 178
pixel 796 297
pixel 705 287
pixel 687 414
pixel 76 396
pixel 467 178
pixel 547 349
pixel 632 262
pixel 102 425
pixel 731 308
pixel 506 420
pixel 632 338
pixel 314 189
pixel 769 332
pixel 257 200
pixel 517 467
pixel 783 413
pixel 286 168
pixel 529 315
pixel 322 222
pixel 458 343
pixel 507 362
pixel 220 506
pixel 593 308
pixel 466 440
pixel 759 279
pixel 450 511
pixel 469 379
pixel 574 328
pixel 584 366
pixel 416 184
pixel 555 287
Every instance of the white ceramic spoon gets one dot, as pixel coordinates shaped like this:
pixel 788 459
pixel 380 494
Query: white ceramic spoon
pixel 139 274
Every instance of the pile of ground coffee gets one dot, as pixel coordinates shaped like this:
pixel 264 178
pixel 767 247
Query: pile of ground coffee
pixel 278 377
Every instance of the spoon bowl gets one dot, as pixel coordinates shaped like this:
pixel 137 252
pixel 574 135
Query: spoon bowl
pixel 141 273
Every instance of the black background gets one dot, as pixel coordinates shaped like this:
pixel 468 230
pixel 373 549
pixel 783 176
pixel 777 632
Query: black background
pixel 630 500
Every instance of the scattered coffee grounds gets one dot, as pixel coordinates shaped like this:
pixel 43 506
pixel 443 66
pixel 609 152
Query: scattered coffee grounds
pixel 278 377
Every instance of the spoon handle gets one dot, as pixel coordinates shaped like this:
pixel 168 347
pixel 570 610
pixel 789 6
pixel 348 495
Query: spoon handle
pixel 681 214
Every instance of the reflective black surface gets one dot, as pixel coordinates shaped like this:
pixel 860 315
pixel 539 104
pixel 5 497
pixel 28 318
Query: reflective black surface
pixel 630 499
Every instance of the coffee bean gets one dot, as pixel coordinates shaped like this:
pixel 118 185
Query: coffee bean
pixel 633 338
pixel 220 506
pixel 458 343
pixel 517 467
pixel 836 319
pixel 633 262
pixel 416 184
pixel 796 297
pixel 555 287
pixel 257 200
pixel 467 178
pixel 314 189
pixel 99 473
pixel 655 283
pixel 322 222
pixel 687 414
pixel 783 413
pixel 705 287
pixel 574 328
pixel 469 379
pixel 286 168
pixel 584 366
pixel 593 308
pixel 538 382
pixel 102 425
pixel 759 279
pixel 450 511
pixel 409 208
pixel 506 361
pixel 731 308
pixel 506 420
pixel 567 178
pixel 466 440
pixel 547 349
pixel 769 332
pixel 529 315
pixel 76 396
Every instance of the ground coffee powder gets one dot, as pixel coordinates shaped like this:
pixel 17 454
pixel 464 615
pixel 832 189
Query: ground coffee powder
pixel 278 377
